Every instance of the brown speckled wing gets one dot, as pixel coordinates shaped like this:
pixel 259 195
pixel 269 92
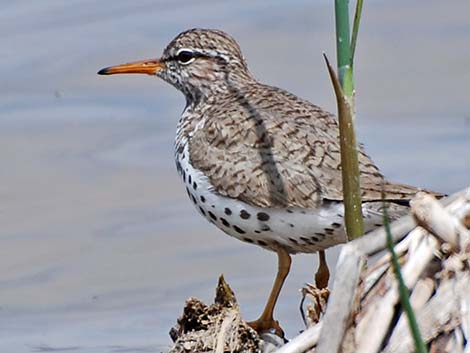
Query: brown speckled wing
pixel 269 148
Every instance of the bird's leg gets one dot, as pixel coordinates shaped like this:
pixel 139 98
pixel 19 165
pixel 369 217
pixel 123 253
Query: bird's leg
pixel 323 273
pixel 266 320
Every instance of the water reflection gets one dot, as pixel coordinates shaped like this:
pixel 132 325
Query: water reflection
pixel 99 246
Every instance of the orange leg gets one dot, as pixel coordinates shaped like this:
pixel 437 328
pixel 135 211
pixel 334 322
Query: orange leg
pixel 266 320
pixel 323 273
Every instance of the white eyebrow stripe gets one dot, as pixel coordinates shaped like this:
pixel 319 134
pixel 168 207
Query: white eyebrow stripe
pixel 206 52
pixel 185 49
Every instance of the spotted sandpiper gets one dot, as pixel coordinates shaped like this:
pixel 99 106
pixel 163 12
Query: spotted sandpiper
pixel 260 163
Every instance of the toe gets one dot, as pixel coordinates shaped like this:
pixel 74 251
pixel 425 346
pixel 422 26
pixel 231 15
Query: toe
pixel 261 326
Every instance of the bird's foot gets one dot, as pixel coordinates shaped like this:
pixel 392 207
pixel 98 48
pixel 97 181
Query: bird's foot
pixel 262 325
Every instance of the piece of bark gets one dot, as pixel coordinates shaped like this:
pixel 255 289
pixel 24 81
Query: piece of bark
pixel 217 328
pixel 303 342
pixel 431 215
pixel 440 314
pixel 337 316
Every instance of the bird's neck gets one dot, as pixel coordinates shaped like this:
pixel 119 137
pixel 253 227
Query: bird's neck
pixel 207 90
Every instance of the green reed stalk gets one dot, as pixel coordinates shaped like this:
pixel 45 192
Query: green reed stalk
pixel 346 115
pixel 403 290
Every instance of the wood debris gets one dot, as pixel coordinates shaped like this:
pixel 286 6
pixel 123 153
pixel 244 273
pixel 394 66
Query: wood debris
pixel 364 313
pixel 218 328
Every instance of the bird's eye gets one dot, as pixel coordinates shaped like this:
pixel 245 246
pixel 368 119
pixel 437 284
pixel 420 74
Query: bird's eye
pixel 185 56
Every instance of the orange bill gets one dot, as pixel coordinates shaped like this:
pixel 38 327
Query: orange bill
pixel 149 67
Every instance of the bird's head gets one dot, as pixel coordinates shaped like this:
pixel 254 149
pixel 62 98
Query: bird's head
pixel 198 62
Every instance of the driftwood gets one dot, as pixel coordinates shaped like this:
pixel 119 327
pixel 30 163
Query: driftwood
pixel 363 313
pixel 218 327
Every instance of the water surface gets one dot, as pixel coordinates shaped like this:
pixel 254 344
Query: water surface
pixel 99 245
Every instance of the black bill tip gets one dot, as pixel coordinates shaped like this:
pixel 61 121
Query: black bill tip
pixel 104 71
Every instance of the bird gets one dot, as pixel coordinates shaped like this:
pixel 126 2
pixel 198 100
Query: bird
pixel 258 162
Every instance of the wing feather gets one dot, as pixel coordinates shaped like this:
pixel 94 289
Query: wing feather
pixel 269 148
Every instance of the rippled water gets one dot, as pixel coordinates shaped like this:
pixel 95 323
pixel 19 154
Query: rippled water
pixel 99 246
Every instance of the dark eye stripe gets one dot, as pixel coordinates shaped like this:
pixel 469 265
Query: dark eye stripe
pixel 185 56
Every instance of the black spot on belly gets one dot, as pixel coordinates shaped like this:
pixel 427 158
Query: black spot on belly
pixel 257 231
pixel 329 230
pixel 320 235
pixel 309 241
pixel 194 185
pixel 228 211
pixel 189 179
pixel 248 240
pixel 203 199
pixel 336 225
pixel 262 243
pixel 265 228
pixel 194 199
pixel 202 210
pixel 213 216
pixel 238 229
pixel 244 214
pixel 184 176
pixel 189 194
pixel 291 225
pixel 224 222
pixel 262 216
pixel 293 240
pixel 290 211
pixel 315 239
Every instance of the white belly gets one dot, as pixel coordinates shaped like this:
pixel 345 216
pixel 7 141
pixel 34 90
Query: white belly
pixel 296 229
